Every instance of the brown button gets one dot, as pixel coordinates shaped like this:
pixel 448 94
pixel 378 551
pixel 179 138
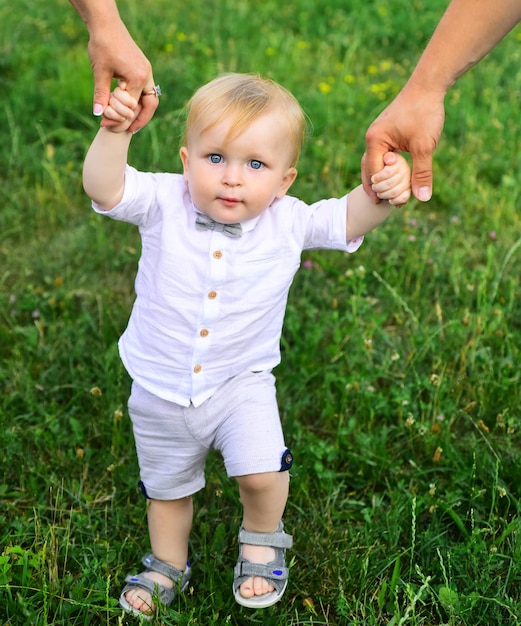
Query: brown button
pixel 204 332
pixel 197 369
pixel 212 295
pixel 217 254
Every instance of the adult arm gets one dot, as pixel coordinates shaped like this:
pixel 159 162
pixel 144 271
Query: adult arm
pixel 114 54
pixel 413 122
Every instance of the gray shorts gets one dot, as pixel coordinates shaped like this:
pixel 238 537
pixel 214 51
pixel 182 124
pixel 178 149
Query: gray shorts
pixel 241 420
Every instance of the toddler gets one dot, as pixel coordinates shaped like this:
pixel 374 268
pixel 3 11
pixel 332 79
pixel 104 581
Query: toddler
pixel 220 246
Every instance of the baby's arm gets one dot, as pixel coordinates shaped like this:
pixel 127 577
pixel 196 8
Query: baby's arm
pixel 392 184
pixel 104 166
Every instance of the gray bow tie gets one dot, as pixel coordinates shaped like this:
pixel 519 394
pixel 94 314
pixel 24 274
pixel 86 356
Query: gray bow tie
pixel 203 222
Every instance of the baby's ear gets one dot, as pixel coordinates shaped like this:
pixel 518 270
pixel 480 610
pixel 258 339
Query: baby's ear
pixel 183 153
pixel 287 180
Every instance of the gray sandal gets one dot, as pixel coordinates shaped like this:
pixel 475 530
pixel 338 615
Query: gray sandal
pixel 275 572
pixel 160 593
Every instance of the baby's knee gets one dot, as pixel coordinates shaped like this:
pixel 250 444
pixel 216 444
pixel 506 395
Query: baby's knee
pixel 262 482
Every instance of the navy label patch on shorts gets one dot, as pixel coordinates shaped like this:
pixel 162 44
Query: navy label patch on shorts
pixel 286 461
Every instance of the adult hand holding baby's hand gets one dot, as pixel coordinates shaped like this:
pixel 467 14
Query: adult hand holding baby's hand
pixel 122 109
pixel 393 181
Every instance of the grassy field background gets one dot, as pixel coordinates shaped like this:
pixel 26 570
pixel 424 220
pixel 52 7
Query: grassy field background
pixel 400 384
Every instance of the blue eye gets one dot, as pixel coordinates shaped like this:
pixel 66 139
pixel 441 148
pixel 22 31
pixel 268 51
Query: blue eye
pixel 256 165
pixel 215 158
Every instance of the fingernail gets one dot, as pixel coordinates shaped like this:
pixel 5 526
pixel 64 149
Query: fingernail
pixel 97 109
pixel 424 194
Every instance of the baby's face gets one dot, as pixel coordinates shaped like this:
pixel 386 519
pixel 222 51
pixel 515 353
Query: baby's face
pixel 236 180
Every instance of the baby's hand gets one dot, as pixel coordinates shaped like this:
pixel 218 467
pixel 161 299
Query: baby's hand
pixel 393 181
pixel 121 111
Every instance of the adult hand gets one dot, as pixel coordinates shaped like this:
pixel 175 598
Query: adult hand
pixel 114 54
pixel 412 123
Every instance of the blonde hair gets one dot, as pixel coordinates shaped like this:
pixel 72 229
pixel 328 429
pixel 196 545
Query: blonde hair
pixel 242 99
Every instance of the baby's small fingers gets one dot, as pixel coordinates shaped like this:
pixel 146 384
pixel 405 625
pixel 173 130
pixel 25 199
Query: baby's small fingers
pixel 124 97
pixel 111 114
pixel 384 174
pixel 400 199
pixel 387 195
pixel 389 189
pixel 386 184
pixel 119 108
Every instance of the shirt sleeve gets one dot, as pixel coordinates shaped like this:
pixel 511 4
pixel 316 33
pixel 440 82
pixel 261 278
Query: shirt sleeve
pixel 325 225
pixel 139 204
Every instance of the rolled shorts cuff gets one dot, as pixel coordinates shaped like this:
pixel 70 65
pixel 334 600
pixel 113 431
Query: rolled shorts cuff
pixel 173 493
pixel 246 467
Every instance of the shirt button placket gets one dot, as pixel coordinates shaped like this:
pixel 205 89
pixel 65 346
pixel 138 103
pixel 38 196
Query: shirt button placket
pixel 216 276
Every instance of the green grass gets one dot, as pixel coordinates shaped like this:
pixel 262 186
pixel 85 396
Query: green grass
pixel 400 385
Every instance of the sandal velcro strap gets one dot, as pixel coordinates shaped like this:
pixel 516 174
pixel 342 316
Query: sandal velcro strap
pixel 155 565
pixel 244 569
pixel 278 539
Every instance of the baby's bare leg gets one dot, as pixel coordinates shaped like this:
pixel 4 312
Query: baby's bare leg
pixel 169 524
pixel 264 498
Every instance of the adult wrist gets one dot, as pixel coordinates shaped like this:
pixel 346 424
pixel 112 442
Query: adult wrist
pixel 418 88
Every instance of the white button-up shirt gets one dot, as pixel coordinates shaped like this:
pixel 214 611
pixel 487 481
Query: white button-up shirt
pixel 208 306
